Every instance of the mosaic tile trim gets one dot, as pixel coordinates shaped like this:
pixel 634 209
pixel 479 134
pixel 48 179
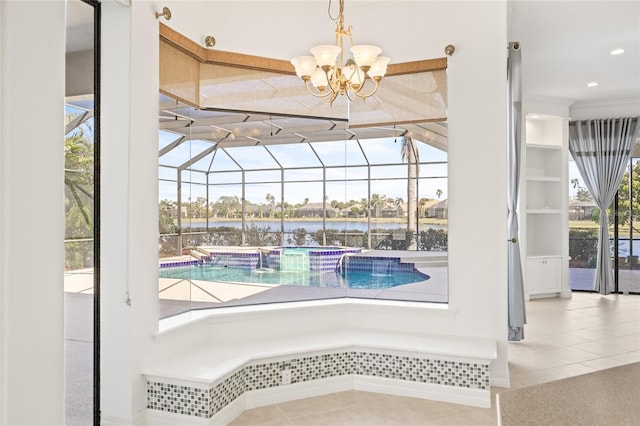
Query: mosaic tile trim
pixel 227 391
pixel 382 265
pixel 234 260
pixel 436 372
pixel 254 376
pixel 178 399
pixel 179 264
pixel 317 259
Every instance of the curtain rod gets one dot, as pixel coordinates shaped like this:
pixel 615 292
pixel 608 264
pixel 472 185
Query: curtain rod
pixel 572 123
pixel 595 153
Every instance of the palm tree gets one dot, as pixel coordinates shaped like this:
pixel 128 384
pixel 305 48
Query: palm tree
pixel 78 179
pixel 423 204
pixel 575 182
pixel 271 200
pixel 409 153
pixel 377 201
pixel 438 193
pixel 165 222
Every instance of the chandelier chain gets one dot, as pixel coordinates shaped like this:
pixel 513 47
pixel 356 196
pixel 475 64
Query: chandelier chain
pixel 340 16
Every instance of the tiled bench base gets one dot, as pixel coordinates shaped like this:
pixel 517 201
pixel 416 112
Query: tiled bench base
pixel 455 380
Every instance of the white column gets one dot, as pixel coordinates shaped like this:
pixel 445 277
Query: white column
pixel 32 66
pixel 129 252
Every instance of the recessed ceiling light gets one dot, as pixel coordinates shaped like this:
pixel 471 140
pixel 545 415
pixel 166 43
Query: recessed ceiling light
pixel 592 84
pixel 617 51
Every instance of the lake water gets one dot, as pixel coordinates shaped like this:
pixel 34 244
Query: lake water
pixel 310 226
pixel 313 226
pixel 623 247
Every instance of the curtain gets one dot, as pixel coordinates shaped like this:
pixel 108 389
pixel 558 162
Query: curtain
pixel 516 309
pixel 601 149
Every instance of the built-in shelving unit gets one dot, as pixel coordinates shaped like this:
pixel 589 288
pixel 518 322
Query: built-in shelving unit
pixel 544 199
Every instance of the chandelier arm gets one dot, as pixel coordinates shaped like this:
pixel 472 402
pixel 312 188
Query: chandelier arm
pixel 351 95
pixel 361 86
pixel 332 98
pixel 373 92
pixel 328 97
pixel 317 94
pixel 334 82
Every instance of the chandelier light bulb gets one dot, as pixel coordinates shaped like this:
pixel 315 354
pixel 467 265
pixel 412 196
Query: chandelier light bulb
pixel 326 54
pixel 304 65
pixel 319 79
pixel 365 55
pixel 355 76
pixel 379 67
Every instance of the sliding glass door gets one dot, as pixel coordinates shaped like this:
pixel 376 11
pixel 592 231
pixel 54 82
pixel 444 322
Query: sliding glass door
pixel 82 213
pixel 627 233
pixel 624 231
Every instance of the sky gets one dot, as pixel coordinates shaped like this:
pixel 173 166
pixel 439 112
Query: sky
pixel 306 181
pixel 300 185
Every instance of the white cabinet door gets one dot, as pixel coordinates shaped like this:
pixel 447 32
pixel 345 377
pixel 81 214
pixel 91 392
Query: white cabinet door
pixel 543 275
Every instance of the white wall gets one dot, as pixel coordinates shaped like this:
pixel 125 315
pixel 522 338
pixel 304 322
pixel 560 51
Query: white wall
pixel 477 151
pixel 32 304
pixel 545 105
pixel 605 109
pixel 129 208
pixel 79 80
pixel 31 193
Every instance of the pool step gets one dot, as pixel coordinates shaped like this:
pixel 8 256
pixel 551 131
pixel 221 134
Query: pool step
pixel 426 263
pixel 421 261
pixel 198 254
pixel 200 251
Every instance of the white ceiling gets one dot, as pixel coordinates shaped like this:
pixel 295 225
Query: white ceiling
pixel 565 45
pixel 79 26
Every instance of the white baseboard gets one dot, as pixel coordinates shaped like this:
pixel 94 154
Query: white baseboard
pixel 279 394
pixel 138 420
pixel 455 394
pixel 301 390
pixel 500 379
pixel 232 410
pixel 162 418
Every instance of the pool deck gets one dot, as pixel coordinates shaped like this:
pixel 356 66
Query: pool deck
pixel 177 295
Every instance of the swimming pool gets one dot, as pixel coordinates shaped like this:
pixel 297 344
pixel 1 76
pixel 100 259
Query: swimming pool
pixel 359 279
pixel 337 267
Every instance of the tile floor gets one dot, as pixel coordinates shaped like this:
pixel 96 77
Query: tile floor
pixel 564 338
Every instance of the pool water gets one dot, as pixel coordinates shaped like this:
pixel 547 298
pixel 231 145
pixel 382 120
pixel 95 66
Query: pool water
pixel 347 279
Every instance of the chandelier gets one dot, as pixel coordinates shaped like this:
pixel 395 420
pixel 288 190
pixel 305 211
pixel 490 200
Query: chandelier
pixel 326 75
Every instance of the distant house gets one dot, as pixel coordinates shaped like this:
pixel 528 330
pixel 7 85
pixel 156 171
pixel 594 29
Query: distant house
pixel 581 210
pixel 439 210
pixel 314 210
pixel 424 207
pixel 173 211
pixel 389 210
pixel 257 210
pixel 354 210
